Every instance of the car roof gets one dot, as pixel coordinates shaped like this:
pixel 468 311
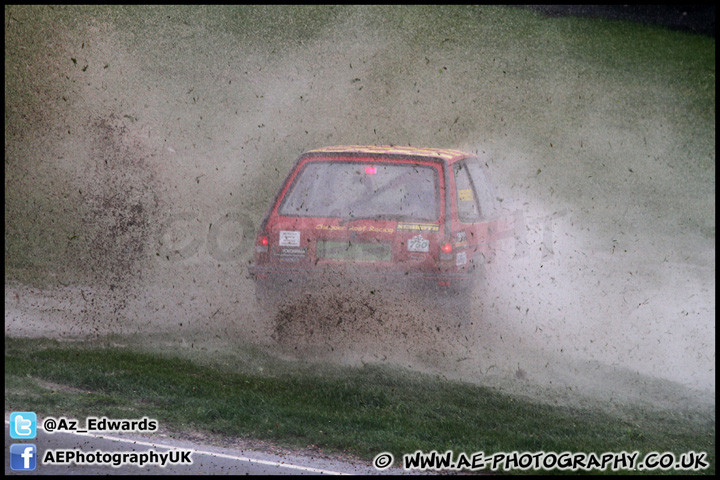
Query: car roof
pixel 446 154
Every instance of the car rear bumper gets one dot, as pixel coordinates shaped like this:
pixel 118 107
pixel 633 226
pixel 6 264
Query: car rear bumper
pixel 349 274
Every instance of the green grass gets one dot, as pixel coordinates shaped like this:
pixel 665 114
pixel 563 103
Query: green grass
pixel 361 411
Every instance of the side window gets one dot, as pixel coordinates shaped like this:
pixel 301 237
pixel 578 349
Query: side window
pixel 486 198
pixel 468 207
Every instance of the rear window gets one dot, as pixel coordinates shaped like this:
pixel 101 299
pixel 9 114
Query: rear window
pixel 355 190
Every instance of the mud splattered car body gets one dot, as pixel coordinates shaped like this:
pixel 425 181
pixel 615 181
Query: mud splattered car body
pixel 398 214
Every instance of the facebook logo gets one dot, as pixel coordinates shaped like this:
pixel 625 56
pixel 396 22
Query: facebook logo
pixel 23 456
pixel 23 425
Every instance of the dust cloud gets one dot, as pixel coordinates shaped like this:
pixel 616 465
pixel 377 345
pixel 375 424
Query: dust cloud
pixel 144 144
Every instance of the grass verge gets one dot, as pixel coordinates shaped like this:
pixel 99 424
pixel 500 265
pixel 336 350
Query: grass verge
pixel 360 411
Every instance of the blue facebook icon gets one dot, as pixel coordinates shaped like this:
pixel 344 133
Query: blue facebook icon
pixel 23 456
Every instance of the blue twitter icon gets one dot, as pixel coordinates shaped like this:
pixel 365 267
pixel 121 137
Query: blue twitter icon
pixel 23 425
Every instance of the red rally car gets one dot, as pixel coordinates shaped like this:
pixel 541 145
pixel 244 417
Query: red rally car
pixel 397 214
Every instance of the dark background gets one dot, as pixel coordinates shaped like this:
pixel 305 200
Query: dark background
pixel 692 18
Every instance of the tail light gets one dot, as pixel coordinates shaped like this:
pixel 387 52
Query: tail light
pixel 261 246
pixel 446 251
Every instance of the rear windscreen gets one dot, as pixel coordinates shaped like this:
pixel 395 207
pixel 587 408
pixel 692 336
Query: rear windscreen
pixel 355 190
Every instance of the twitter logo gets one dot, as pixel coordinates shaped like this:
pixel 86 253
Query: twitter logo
pixel 23 425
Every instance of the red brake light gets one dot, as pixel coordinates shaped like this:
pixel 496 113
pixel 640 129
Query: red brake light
pixel 370 170
pixel 264 241
pixel 446 247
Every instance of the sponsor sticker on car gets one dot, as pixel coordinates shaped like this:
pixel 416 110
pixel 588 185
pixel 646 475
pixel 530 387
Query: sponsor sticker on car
pixel 289 239
pixel 418 227
pixel 465 195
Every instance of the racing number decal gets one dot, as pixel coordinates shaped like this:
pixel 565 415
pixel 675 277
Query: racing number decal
pixel 418 244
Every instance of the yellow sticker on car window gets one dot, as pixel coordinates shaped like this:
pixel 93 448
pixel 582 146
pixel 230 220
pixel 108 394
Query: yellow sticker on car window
pixel 465 195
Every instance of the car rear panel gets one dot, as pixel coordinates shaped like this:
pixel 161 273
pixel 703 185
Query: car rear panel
pixel 310 243
pixel 382 246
